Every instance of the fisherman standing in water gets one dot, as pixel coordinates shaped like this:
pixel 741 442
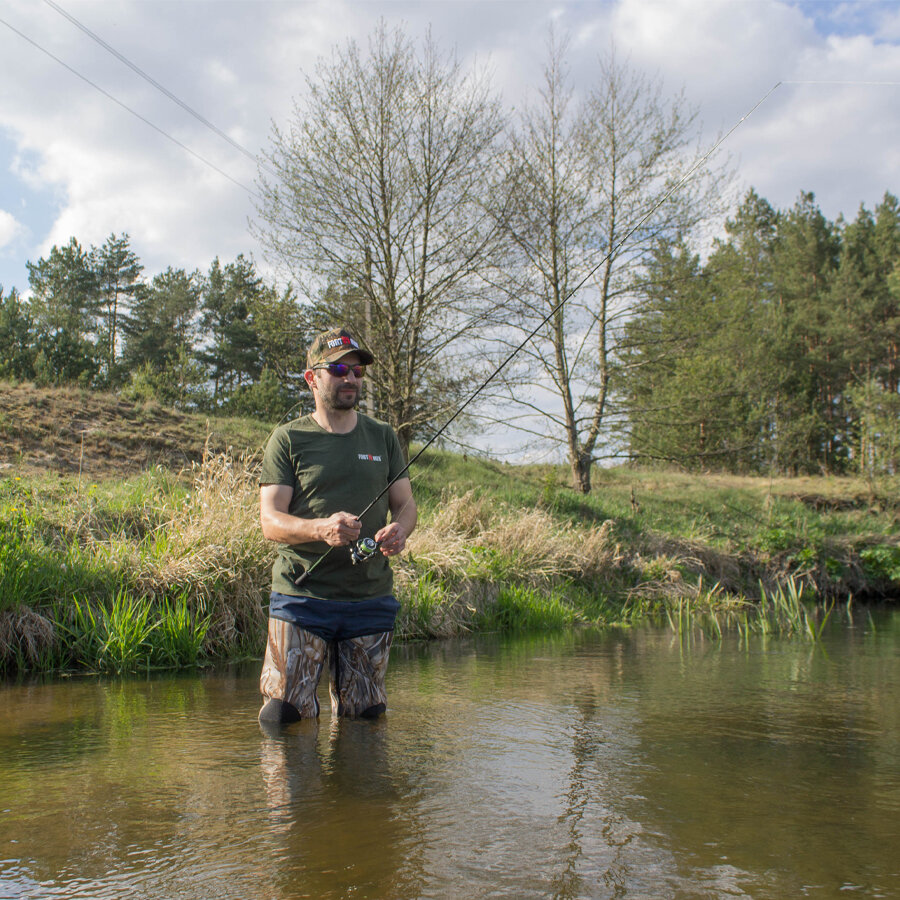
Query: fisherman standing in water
pixel 315 470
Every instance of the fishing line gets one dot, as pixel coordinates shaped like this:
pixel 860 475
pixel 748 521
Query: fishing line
pixel 533 333
pixel 867 83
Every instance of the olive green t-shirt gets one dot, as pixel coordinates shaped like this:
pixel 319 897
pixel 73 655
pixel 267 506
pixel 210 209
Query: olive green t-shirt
pixel 332 473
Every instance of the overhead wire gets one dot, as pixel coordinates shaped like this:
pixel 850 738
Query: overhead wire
pixel 128 109
pixel 161 88
pixel 850 83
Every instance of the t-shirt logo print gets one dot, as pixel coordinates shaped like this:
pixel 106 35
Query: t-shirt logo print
pixel 368 457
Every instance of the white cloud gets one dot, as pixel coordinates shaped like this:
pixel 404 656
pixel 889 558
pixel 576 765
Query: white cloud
pixel 99 170
pixel 10 228
pixel 889 26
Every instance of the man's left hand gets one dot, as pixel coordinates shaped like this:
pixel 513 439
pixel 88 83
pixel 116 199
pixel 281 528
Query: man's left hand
pixel 392 539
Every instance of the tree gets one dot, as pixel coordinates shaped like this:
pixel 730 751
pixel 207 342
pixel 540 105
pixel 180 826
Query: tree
pixel 284 332
pixel 65 306
pixel 118 273
pixel 802 351
pixel 870 306
pixel 382 175
pixel 160 336
pixel 678 375
pixel 16 337
pixel 163 319
pixel 64 291
pixel 595 186
pixel 232 352
pixel 877 419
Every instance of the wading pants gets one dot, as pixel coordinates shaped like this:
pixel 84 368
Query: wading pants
pixel 296 657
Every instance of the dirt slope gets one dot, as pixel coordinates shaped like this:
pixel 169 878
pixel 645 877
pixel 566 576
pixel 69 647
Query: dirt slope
pixel 68 430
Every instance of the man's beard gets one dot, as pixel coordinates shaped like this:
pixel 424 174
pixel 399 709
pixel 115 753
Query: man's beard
pixel 344 396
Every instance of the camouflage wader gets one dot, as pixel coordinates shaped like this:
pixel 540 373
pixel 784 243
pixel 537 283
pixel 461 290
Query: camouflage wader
pixel 293 666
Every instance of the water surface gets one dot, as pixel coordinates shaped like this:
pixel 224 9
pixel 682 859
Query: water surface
pixel 620 764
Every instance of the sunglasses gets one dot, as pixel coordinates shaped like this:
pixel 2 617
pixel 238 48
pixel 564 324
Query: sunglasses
pixel 339 370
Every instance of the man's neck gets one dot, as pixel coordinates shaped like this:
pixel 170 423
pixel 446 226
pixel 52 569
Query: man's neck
pixel 337 421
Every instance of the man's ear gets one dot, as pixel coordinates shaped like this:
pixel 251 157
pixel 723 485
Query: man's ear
pixel 310 377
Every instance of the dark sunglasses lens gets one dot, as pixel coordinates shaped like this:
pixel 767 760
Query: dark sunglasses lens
pixel 339 370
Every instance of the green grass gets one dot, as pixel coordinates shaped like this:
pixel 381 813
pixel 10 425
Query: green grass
pixel 163 568
pixel 152 571
pixel 723 511
pixel 819 529
pixel 127 633
pixel 521 607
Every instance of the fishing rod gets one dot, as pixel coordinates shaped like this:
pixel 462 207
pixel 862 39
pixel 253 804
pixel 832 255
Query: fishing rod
pixel 365 549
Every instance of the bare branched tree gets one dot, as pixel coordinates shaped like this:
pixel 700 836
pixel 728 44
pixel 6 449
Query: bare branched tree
pixel 594 185
pixel 382 176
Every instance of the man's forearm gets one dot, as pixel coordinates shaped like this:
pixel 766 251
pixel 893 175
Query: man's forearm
pixel 338 529
pixel 406 518
pixel 287 529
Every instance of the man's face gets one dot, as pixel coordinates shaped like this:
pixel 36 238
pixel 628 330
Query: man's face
pixel 338 392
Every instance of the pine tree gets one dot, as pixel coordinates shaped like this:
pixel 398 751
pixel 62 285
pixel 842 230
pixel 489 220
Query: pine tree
pixel 163 319
pixel 684 392
pixel 229 345
pixel 65 306
pixel 118 271
pixel 16 337
pixel 807 421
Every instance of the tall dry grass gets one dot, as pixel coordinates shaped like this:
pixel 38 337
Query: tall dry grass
pixel 213 545
pixel 194 556
pixel 465 528
pixel 471 550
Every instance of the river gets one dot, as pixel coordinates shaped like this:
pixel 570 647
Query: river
pixel 628 763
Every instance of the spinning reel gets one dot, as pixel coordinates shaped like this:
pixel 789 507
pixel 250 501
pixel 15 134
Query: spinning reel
pixel 363 550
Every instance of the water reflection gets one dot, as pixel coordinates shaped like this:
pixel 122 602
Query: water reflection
pixel 337 810
pixel 627 764
pixel 757 782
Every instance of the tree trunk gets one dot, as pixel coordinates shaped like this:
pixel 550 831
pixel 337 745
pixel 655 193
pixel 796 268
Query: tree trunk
pixel 581 472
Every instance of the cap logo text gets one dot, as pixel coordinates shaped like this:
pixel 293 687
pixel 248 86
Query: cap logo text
pixel 342 342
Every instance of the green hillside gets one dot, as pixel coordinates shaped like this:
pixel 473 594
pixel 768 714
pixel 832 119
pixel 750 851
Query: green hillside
pixel 129 537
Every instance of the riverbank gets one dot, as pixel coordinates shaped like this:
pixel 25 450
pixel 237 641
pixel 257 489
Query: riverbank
pixel 120 566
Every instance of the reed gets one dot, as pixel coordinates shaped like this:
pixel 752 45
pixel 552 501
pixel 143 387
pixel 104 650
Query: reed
pixel 785 610
pixel 788 606
pixel 181 633
pixel 128 633
pixel 427 612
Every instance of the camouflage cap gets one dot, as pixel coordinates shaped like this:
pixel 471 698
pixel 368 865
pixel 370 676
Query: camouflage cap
pixel 331 345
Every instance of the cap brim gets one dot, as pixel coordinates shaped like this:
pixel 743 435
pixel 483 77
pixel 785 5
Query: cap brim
pixel 365 357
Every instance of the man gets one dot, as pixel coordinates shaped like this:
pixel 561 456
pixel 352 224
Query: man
pixel 316 471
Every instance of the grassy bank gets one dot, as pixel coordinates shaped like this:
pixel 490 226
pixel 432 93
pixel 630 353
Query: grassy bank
pixel 125 568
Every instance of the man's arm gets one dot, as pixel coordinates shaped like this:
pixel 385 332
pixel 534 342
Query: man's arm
pixel 403 518
pixel 279 525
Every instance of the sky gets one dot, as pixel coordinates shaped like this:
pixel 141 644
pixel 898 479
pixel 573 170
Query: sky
pixel 75 162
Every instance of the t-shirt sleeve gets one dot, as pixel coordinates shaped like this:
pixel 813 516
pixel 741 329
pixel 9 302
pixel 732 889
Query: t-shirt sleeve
pixel 277 466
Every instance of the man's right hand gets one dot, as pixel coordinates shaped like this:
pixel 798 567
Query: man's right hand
pixel 340 529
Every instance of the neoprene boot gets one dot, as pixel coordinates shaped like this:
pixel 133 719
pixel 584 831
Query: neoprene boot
pixel 278 712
